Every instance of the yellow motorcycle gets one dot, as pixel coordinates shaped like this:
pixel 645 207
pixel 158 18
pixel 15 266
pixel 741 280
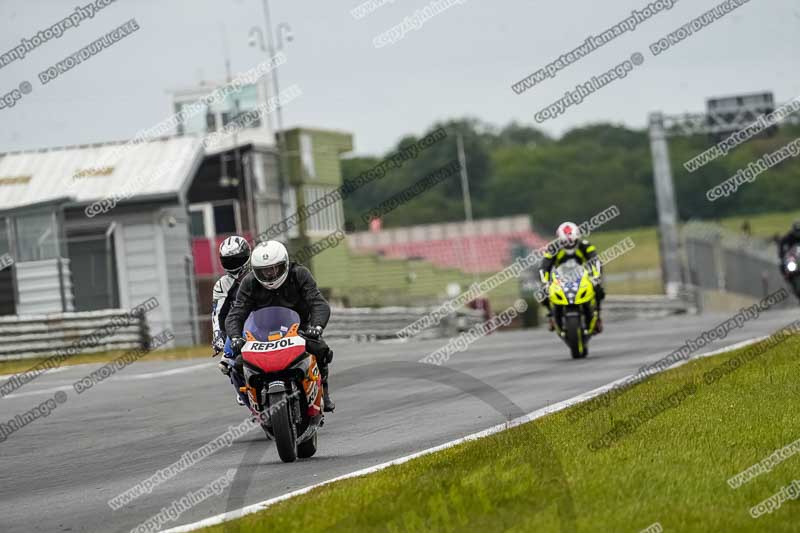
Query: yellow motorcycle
pixel 574 304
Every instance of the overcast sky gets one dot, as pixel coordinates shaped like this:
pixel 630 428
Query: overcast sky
pixel 461 62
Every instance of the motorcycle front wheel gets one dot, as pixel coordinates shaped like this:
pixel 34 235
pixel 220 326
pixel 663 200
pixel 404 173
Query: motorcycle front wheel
pixel 574 336
pixel 283 427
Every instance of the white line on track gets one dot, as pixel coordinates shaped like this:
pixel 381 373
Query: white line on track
pixel 50 371
pixel 162 373
pixel 132 377
pixel 256 507
pixel 51 390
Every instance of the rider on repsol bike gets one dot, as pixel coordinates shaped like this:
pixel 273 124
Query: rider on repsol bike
pixel 571 246
pixel 275 281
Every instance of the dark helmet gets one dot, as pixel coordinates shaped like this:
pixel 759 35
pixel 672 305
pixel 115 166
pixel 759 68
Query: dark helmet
pixel 234 254
pixel 796 227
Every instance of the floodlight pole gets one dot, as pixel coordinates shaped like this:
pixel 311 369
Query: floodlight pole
pixel 462 160
pixel 667 208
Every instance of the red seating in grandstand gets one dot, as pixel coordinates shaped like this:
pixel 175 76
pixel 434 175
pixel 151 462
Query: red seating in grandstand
pixel 491 252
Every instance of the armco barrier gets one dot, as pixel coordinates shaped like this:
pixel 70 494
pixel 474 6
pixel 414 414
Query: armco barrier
pixel 624 307
pixel 385 322
pixel 28 336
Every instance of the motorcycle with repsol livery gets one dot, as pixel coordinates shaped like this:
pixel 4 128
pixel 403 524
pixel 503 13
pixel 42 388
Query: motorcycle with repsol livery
pixel 283 381
pixel 573 301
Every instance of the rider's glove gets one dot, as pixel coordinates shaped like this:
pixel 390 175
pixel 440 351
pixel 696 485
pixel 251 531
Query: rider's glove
pixel 314 332
pixel 237 343
pixel 219 342
pixel 225 366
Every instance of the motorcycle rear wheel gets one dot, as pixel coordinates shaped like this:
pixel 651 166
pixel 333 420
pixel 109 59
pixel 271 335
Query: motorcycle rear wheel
pixel 283 427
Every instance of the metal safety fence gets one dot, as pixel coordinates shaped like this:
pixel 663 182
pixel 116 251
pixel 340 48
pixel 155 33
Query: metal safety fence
pixel 386 322
pixel 716 259
pixel 28 336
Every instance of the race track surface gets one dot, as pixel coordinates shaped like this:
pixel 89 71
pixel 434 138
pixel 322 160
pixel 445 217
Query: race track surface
pixel 58 473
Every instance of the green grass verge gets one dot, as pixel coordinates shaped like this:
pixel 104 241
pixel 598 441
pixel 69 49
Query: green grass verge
pixel 634 286
pixel 21 365
pixel 644 256
pixel 673 469
pixel 763 226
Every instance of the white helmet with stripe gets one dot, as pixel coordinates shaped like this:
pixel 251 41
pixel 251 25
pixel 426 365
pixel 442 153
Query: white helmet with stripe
pixel 234 254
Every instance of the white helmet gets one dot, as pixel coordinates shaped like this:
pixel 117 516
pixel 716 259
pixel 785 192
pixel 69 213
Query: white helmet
pixel 270 262
pixel 234 254
pixel 568 235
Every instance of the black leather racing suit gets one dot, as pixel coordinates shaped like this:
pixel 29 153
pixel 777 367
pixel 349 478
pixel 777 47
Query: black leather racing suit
pixel 300 293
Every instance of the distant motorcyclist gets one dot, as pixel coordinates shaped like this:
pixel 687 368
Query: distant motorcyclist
pixel 571 246
pixel 275 281
pixel 786 243
pixel 234 255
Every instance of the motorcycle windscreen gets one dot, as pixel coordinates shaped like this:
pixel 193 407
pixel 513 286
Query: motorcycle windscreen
pixel 569 272
pixel 568 275
pixel 272 339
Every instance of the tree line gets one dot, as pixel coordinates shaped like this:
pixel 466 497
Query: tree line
pixel 519 169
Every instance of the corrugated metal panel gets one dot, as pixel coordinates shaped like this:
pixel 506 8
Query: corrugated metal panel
pixel 39 290
pixel 157 167
pixel 181 290
pixel 143 271
pixel 152 257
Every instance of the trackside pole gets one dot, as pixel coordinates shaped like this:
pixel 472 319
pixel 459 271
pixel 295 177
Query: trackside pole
pixel 667 209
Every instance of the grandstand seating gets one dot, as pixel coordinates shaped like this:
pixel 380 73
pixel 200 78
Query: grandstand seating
pixel 485 246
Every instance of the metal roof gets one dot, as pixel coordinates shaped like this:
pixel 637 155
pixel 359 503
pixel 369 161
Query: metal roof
pixel 88 173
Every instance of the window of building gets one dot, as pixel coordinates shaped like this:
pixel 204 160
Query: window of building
pixel 36 237
pixel 4 244
pixel 225 219
pixel 327 220
pixel 227 118
pixel 210 118
pixel 307 155
pixel 218 218
pixel 290 201
pixel 211 122
pixel 194 122
pixel 197 223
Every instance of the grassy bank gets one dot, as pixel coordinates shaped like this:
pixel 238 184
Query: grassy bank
pixel 671 469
